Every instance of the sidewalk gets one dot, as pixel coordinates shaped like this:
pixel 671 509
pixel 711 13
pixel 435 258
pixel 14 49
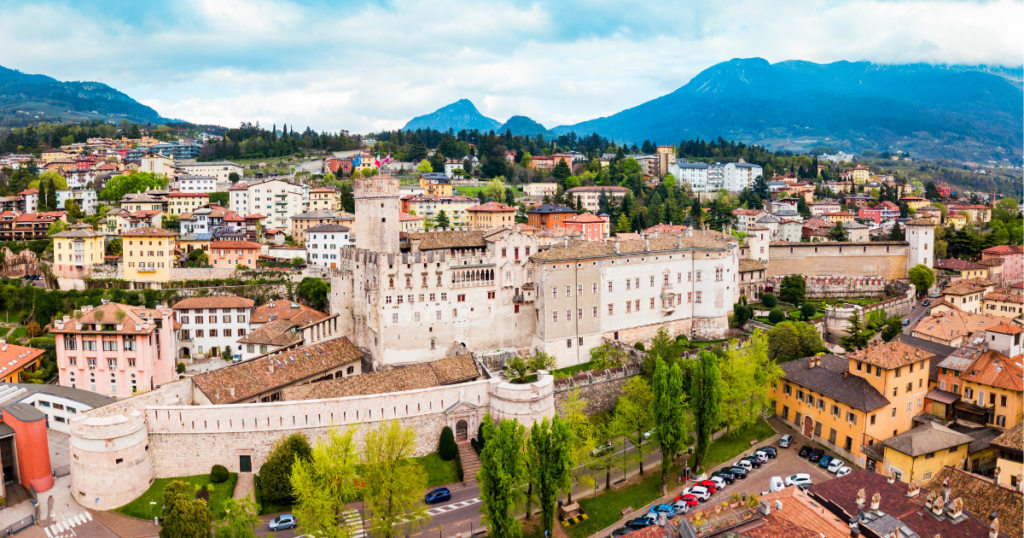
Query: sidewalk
pixel 124 526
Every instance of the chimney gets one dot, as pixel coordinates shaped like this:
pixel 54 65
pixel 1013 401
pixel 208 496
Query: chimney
pixel 993 528
pixel 616 244
pixel 995 477
pixel 914 489
pixel 232 391
pixel 647 245
pixel 778 506
pixel 861 499
pixel 892 478
pixel 854 528
pixel 271 362
pixel 876 500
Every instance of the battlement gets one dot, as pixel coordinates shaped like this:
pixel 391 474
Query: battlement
pixel 376 186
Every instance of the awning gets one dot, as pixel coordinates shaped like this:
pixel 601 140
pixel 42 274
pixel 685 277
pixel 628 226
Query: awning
pixel 941 396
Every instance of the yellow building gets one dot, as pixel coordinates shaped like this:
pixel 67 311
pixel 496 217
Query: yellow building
pixel 993 388
pixel 920 453
pixel 18 361
pixel 190 242
pixel 850 403
pixel 956 220
pixel 915 202
pixel 78 247
pixel 860 174
pixel 436 184
pixel 491 215
pixel 1004 304
pixel 840 216
pixel 179 203
pixel 157 164
pixel 1011 455
pixel 429 207
pixel 324 198
pixel 54 154
pixel 410 223
pixel 148 254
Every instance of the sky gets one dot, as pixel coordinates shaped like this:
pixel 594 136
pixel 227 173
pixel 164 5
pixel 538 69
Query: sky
pixel 372 65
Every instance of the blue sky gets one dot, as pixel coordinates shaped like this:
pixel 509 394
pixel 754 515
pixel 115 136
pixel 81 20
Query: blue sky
pixel 374 65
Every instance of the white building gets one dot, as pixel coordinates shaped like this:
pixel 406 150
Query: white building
pixel 278 200
pixel 187 183
pixel 209 325
pixel 219 170
pixel 693 174
pixel 739 176
pixel 324 244
pixel 86 198
pixel 57 402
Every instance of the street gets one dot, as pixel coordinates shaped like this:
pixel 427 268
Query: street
pixel 914 316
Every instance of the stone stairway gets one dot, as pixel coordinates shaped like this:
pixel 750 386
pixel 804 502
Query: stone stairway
pixel 470 463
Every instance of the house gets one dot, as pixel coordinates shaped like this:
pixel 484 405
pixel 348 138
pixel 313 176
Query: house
pixel 17 362
pixel 116 350
pixel 230 254
pixel 549 216
pixel 590 197
pixel 1010 460
pixel 430 207
pixel 792 231
pixel 839 216
pixel 858 200
pixel 148 254
pixel 540 189
pixel 185 202
pixel 270 338
pixel 16 226
pixel 746 217
pixel 219 170
pixel 856 232
pixel 882 211
pixel 211 325
pixel 588 226
pixel 56 404
pixel 963 268
pixel 156 163
pixel 303 221
pixel 967 295
pixel 324 198
pixel 952 327
pixel 189 242
pixel 955 220
pixel 923 451
pixel 860 174
pixel 1005 303
pixel 822 207
pixel 149 200
pixel 976 213
pixel 324 244
pixel 915 202
pixel 491 215
pixel 78 247
pixel 752 278
pixel 785 204
pixel 195 184
pixel 286 310
pixel 1013 261
pixel 839 187
pixel 436 184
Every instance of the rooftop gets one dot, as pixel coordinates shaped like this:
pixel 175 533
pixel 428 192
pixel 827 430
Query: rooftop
pixel 286 310
pixel 890 355
pixel 132 319
pixel 276 333
pixel 1012 438
pixel 420 376
pixel 552 208
pixel 994 369
pixel 831 379
pixel 982 497
pixel 925 439
pixel 449 239
pixel 199 303
pixel 698 240
pixel 13 392
pixel 148 232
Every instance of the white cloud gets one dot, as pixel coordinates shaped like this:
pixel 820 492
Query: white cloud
pixel 374 66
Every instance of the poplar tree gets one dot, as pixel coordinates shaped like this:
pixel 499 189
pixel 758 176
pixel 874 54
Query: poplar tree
pixel 706 401
pixel 633 416
pixel 394 482
pixel 502 474
pixel 551 465
pixel 669 414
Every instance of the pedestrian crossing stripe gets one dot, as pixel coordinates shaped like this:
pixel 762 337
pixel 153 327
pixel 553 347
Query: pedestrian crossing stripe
pixel 438 510
pixel 60 527
pixel 354 522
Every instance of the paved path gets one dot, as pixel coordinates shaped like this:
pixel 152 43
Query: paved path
pixel 244 486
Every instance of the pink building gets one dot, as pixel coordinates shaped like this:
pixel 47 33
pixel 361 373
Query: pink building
pixel 233 253
pixel 1013 261
pixel 589 226
pixel 115 349
pixel 882 211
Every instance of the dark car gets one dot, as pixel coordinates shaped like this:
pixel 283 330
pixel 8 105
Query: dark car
pixel 738 472
pixel 639 523
pixel 771 451
pixel 622 531
pixel 756 463
pixel 804 451
pixel 438 495
pixel 728 477
pixel 816 454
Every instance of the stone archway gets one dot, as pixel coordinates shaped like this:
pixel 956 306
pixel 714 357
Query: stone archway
pixel 184 353
pixel 461 431
pixel 808 426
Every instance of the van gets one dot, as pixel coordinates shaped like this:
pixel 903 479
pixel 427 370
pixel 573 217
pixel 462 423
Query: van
pixel 785 441
pixel 775 484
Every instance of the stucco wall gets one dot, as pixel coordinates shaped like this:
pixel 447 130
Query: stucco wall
pixel 885 260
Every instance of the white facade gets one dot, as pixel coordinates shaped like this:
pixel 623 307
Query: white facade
pixel 921 236
pixel 694 174
pixel 238 201
pixel 790 230
pixel 739 176
pixel 278 200
pixel 212 329
pixel 58 403
pixel 196 184
pixel 86 199
pixel 220 170
pixel 325 243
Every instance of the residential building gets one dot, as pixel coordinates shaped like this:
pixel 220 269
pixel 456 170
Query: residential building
pixel 429 207
pixel 1013 261
pixel 325 242
pixel 57 404
pixel 230 254
pixel 284 310
pixel 921 452
pixel 955 220
pixel 976 213
pixel 18 362
pixel 792 230
pixel 590 197
pixel 185 202
pixel 696 175
pixel 746 217
pixel 16 226
pixel 324 199
pixel 211 325
pixel 860 174
pixel 752 278
pixel 549 216
pixel 85 198
pixel 115 349
pixel 156 163
pixel 1010 460
pixel 952 327
pixel 540 189
pixel 77 248
pixel 149 200
pixel 210 218
pixel 278 200
pixel 915 202
pixel 270 338
pixel 491 215
pixel 839 216
pixel 303 221
pixel 823 207
pixel 769 221
pixel 588 226
pixel 189 242
pixel 882 211
pixel 967 295
pixel 204 184
pixel 962 268
pixel 219 170
pixel 436 184
pixel 858 200
pixel 410 222
pixel 1005 303
pixel 147 254
pixel 739 176
pixel 856 232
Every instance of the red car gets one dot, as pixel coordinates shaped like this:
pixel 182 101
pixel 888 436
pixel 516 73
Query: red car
pixel 709 484
pixel 689 499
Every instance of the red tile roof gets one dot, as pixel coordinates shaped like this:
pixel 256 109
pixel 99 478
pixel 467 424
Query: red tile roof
pixel 248 245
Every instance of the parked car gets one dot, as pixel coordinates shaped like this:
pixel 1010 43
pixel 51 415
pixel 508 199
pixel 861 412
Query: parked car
pixel 439 495
pixel 804 451
pixel 835 465
pixel 700 492
pixel 786 441
pixel 709 485
pixel 816 455
pixel 664 509
pixel 641 522
pixel 770 450
pixel 739 472
pixel 689 500
pixel 728 477
pixel 761 456
pixel 824 461
pixel 843 472
pixel 756 463
pixel 601 450
pixel 682 507
pixel 744 464
pixel 906 322
pixel 621 531
pixel 719 481
pixel 928 302
pixel 283 522
pixel 799 479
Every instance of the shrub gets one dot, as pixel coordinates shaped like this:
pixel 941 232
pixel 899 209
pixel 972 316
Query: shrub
pixel 808 310
pixel 769 300
pixel 181 367
pixel 640 346
pixel 777 316
pixel 446 447
pixel 219 474
pixel 276 473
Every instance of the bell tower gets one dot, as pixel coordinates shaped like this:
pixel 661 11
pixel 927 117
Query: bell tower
pixel 378 207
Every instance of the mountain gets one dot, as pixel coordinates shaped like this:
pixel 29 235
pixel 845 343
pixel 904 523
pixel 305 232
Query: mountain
pixel 457 116
pixel 41 97
pixel 964 112
pixel 521 125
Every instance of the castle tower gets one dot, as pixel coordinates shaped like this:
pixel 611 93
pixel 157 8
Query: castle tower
pixel 377 208
pixel 921 236
pixel 758 240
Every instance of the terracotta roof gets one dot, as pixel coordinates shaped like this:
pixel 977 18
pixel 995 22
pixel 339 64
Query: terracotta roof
pixel 328 228
pixel 234 245
pixel 1004 250
pixel 982 497
pixel 149 232
pixel 1012 438
pixel 927 439
pixel 803 514
pixel 449 239
pixel 322 190
pixel 962 287
pixel 408 217
pixel 772 526
pixel 254 377
pixel 13 357
pixel 133 321
pixel 1007 328
pixel 920 222
pixel 699 240
pixel 951 324
pixel 552 208
pixel 751 265
pixel 230 301
pixel 276 333
pixel 657 228
pixel 956 264
pixel 890 355
pixel 491 207
pixel 994 369
pixel 413 377
pixel 286 310
pixel 828 379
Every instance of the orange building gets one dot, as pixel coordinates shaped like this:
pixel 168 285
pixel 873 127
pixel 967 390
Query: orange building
pixel 491 215
pixel 589 226
pixel 549 216
pixel 233 253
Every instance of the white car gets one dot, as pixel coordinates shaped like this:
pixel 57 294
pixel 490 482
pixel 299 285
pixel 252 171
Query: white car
pixel 649 433
pixel 681 507
pixel 701 493
pixel 745 464
pixel 761 456
pixel 799 479
pixel 719 482
pixel 843 472
pixel 835 465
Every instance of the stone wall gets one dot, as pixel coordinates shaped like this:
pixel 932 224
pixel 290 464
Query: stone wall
pixel 886 260
pixel 837 317
pixel 833 286
pixel 200 273
pixel 599 390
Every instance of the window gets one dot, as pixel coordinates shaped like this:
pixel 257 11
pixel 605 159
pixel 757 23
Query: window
pixel 611 309
pixel 835 410
pixel 112 364
pixel 628 282
pixel 490 295
pixel 461 297
pixel 698 297
pixel 689 297
pixel 1001 421
pixel 89 345
pixel 70 343
pixel 652 280
pixel 554 292
pixel 213 333
pixel 848 445
pixel 579 289
pixel 438 314
pixel 568 291
pixel 873 419
pixel 652 303
pixel 832 435
pixel 787 389
pixel 698 277
pixel 110 345
pixel 629 305
pixel 1002 401
pixel 394 318
pixel 593 313
pixel 810 400
pixel 444 296
pixel 593 290
pixel 610 286
pixel 131 363
pixel 568 315
pixel 800 395
pixel 893 412
pixel 851 418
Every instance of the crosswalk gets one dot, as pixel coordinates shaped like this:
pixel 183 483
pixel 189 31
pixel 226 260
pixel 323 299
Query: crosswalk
pixel 65 527
pixel 354 523
pixel 438 510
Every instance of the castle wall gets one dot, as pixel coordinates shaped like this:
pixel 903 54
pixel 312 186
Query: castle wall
pixel 887 260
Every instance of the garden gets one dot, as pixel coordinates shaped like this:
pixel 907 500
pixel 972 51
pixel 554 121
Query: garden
pixel 216 487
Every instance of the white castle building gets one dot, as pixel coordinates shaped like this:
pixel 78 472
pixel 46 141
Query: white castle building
pixel 414 300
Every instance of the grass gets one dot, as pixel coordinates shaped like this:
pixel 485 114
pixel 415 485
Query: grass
pixel 18 333
pixel 13 317
pixel 4 330
pixel 605 509
pixel 140 507
pixel 705 343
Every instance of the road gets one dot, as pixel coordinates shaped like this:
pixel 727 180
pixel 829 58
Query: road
pixel 915 315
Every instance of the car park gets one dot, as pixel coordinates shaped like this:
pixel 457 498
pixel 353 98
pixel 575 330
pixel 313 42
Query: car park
pixel 804 451
pixel 664 509
pixel 701 493
pixel 770 450
pixel 283 522
pixel 727 477
pixel 643 521
pixel 709 485
pixel 824 461
pixel 681 507
pixel 843 472
pixel 786 441
pixel 438 495
pixel 799 479
pixel 622 531
pixel 738 472
pixel 816 455
pixel 719 481
pixel 835 465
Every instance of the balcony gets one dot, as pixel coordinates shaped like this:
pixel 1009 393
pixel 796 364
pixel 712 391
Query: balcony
pixel 518 298
pixel 146 269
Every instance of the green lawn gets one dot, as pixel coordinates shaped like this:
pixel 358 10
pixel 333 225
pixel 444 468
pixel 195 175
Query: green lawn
pixel 735 443
pixel 4 331
pixel 12 317
pixel 705 343
pixel 19 333
pixel 140 507
pixel 570 371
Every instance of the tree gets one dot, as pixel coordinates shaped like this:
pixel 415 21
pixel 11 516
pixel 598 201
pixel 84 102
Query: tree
pixel 838 232
pixel 856 337
pixel 241 519
pixel 776 316
pixel 551 463
pixel 442 220
pixel 669 414
pixel 424 167
pixel 324 484
pixel 793 289
pixel 33 329
pixel 233 177
pixel 623 225
pixel 276 472
pixel 922 277
pixel 807 311
pixel 495 190
pixel 747 373
pixel 51 179
pixel 314 291
pixel 696 213
pixel 561 172
pixel 56 227
pixel 394 482
pixel 118 186
pixel 897 233
pixel 298 261
pixel 74 210
pixel 42 198
pixel 706 403
pixel 633 416
pixel 791 340
pixel 198 258
pixel 446 446
pixel 501 476
pixel 582 431
pixel 768 299
pixel 184 514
